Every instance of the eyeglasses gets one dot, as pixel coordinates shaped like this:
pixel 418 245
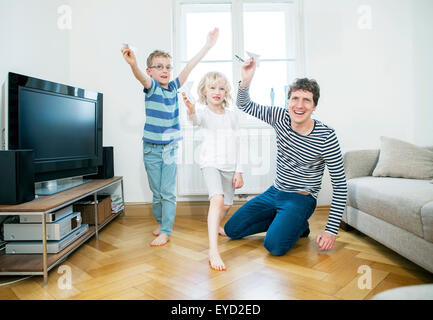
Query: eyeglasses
pixel 160 67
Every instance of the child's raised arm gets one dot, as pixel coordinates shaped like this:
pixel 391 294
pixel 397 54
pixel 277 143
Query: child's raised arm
pixel 211 40
pixel 192 115
pixel 129 57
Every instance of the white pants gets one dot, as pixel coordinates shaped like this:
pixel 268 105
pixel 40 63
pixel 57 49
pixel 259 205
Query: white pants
pixel 219 182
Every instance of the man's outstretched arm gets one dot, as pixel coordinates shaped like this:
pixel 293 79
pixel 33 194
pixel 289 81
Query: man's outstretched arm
pixel 334 161
pixel 268 114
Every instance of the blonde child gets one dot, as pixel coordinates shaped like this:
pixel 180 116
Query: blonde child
pixel 219 153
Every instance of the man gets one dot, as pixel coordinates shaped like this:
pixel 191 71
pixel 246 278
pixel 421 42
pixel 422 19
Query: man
pixel 304 147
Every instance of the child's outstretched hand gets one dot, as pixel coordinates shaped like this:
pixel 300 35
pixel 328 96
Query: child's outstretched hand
pixel 212 37
pixel 129 56
pixel 238 181
pixel 190 107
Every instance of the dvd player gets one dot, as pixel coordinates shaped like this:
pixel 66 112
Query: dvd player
pixel 49 217
pixel 26 247
pixel 33 231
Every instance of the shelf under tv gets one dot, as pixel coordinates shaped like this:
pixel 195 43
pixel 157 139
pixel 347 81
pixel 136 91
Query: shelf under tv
pixel 33 264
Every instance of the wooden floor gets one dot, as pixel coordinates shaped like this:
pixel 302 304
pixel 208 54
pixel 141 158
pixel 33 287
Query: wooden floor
pixel 123 266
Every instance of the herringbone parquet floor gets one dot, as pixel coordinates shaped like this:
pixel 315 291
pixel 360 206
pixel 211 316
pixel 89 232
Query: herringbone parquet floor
pixel 122 265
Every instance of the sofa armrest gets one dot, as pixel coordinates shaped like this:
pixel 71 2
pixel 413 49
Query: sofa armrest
pixel 360 163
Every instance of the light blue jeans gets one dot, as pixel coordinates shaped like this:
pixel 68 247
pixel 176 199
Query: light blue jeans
pixel 160 163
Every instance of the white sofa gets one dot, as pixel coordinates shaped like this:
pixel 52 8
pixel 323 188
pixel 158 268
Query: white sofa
pixel 396 212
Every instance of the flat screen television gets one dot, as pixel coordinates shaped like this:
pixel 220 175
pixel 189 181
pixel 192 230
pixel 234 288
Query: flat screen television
pixel 61 123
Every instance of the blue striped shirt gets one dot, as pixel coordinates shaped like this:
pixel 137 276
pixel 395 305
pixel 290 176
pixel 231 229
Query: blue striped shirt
pixel 301 159
pixel 162 113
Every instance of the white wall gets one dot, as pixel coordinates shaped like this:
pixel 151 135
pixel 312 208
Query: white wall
pixel 366 76
pixel 99 29
pixel 422 35
pixel 3 68
pixel 31 43
pixel 373 82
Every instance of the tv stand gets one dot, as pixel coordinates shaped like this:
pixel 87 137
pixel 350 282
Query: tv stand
pixel 40 264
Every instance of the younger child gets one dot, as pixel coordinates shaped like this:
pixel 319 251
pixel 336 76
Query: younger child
pixel 219 153
pixel 162 130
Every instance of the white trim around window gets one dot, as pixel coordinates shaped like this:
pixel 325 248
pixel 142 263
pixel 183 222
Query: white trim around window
pixel 295 56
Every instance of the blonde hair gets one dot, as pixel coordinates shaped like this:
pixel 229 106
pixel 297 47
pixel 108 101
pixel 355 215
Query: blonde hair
pixel 210 78
pixel 154 54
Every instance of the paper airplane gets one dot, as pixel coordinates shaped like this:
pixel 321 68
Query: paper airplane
pixel 128 46
pixel 255 56
pixel 187 89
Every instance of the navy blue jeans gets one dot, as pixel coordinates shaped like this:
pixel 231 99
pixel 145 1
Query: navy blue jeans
pixel 284 215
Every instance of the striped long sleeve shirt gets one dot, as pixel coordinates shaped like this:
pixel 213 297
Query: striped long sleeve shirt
pixel 301 159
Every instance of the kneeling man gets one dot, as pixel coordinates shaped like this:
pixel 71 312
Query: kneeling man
pixel 305 146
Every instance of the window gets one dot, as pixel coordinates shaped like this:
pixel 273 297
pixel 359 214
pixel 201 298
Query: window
pixel 270 29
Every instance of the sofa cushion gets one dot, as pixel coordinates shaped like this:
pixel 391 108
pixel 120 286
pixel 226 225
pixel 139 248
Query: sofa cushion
pixel 401 159
pixel 427 221
pixel 395 200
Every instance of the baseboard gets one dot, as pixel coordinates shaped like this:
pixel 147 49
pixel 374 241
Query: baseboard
pixel 188 208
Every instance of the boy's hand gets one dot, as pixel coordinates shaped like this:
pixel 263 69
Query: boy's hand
pixel 248 70
pixel 129 56
pixel 190 107
pixel 238 181
pixel 212 37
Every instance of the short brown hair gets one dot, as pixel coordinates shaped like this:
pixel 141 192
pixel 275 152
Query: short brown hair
pixel 154 54
pixel 306 84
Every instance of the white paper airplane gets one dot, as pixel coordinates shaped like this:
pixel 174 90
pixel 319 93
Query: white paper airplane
pixel 255 56
pixel 187 89
pixel 128 46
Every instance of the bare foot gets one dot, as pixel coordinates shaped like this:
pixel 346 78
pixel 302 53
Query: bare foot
pixel 221 232
pixel 215 262
pixel 157 231
pixel 160 240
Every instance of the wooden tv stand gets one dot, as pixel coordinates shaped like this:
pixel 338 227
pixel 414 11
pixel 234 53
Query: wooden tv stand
pixel 40 264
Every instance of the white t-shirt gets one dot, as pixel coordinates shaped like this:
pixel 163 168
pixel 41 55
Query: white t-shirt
pixel 220 138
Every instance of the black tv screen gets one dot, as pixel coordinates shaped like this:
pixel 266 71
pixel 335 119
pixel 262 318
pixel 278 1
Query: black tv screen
pixel 72 120
pixel 62 124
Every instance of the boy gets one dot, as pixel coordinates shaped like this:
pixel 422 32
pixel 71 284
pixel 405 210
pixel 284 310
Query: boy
pixel 162 130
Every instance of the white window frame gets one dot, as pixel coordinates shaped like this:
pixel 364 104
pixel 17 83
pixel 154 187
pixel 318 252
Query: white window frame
pixel 237 40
